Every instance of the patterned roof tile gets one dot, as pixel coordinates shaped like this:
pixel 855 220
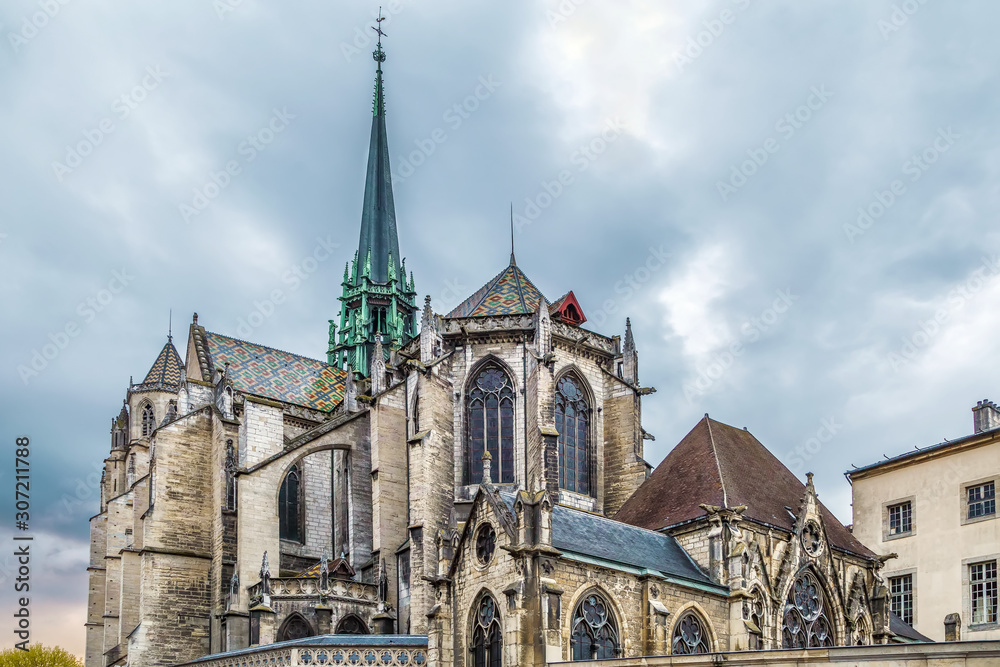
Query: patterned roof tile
pixel 508 293
pixel 280 376
pixel 167 367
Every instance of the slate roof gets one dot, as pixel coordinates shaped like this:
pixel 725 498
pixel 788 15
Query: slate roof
pixel 921 451
pixel 589 534
pixel 167 367
pixel 508 293
pixel 717 464
pixel 901 629
pixel 280 376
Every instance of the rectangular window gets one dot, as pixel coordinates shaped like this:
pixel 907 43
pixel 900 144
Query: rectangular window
pixel 983 582
pixel 900 518
pixel 901 589
pixel 982 500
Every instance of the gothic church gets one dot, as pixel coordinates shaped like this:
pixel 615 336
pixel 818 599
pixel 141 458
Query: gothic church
pixel 472 484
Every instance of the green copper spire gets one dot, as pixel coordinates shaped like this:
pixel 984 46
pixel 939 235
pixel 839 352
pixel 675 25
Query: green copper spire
pixel 378 215
pixel 378 305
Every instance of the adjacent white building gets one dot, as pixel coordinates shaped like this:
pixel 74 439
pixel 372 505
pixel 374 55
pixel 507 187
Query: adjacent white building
pixel 936 509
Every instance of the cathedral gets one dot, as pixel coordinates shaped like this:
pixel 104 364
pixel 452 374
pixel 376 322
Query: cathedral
pixel 468 488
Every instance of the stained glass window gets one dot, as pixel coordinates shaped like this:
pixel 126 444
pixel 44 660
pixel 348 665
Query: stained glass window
pixel 290 507
pixel 486 635
pixel 490 409
pixel 690 637
pixel 595 633
pixel 805 622
pixel 573 423
pixel 486 543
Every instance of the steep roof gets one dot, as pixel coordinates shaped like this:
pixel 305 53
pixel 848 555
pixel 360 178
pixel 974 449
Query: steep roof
pixel 167 367
pixel 589 534
pixel 717 464
pixel 378 214
pixel 508 293
pixel 275 374
pixel 908 634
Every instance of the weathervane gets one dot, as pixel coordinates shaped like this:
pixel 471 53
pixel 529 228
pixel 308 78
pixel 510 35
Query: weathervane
pixel 378 54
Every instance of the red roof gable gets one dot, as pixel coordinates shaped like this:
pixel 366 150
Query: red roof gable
pixel 567 309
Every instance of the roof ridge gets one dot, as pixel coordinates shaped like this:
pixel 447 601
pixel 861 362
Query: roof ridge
pixel 718 463
pixel 275 349
pixel 485 289
pixel 528 280
pixel 520 290
pixel 607 518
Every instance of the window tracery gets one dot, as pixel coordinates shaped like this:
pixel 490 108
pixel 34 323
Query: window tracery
pixel 486 543
pixel 572 415
pixel 486 635
pixel 806 623
pixel 148 420
pixel 690 636
pixel 594 630
pixel 490 425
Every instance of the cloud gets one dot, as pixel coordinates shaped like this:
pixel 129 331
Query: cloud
pixel 685 127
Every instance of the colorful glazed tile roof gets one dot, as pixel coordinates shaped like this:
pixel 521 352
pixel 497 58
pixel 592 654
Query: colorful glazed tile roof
pixel 167 367
pixel 280 376
pixel 338 567
pixel 509 293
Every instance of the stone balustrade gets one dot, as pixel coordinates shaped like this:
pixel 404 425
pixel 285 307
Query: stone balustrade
pixel 332 650
pixel 308 587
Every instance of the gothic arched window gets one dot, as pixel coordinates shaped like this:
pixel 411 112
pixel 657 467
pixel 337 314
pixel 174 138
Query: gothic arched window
pixel 805 622
pixel 690 636
pixel 594 631
pixel 573 424
pixel 486 635
pixel 352 625
pixel 290 507
pixel 230 476
pixel 295 627
pixel 148 420
pixel 490 425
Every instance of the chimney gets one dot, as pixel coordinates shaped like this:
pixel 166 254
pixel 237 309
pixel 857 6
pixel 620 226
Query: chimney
pixel 985 416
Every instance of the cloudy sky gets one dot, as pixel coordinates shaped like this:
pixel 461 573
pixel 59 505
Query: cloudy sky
pixel 791 201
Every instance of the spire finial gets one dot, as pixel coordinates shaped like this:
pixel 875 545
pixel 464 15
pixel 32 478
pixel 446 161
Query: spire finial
pixel 512 261
pixel 170 326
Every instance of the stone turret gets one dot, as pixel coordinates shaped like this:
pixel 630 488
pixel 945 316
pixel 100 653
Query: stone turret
pixel 630 358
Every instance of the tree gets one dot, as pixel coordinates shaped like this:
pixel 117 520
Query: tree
pixel 39 656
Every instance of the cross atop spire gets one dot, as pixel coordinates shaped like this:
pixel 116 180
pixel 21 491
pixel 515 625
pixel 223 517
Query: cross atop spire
pixel 379 56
